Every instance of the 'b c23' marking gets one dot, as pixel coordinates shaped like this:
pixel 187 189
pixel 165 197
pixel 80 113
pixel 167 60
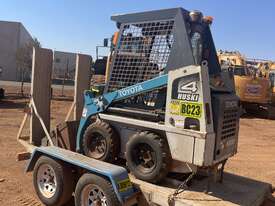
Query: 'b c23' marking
pixel 193 110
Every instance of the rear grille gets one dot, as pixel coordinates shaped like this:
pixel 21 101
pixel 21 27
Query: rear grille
pixel 226 124
pixel 229 123
pixel 142 53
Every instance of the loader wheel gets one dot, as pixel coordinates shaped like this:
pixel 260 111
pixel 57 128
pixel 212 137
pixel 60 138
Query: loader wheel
pixel 52 181
pixel 2 93
pixel 101 142
pixel 271 112
pixel 94 190
pixel 148 156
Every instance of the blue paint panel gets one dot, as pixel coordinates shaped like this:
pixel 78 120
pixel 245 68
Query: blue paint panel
pixel 114 173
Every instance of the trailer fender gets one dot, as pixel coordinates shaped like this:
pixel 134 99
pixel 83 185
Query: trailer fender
pixel 118 176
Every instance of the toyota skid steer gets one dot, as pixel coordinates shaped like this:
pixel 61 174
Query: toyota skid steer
pixel 167 106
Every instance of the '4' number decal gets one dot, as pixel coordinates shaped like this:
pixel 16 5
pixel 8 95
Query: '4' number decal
pixel 190 87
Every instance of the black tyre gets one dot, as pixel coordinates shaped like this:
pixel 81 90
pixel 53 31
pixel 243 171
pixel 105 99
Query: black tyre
pixel 2 93
pixel 271 112
pixel 95 190
pixel 148 156
pixel 52 181
pixel 101 142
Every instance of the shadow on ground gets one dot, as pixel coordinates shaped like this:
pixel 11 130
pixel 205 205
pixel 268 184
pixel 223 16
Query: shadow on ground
pixel 260 114
pixel 9 104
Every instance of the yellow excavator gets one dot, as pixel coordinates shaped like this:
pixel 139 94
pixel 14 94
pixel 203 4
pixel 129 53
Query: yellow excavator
pixel 267 70
pixel 254 91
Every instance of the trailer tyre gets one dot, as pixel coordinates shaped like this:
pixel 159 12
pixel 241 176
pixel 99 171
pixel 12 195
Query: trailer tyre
pixel 95 190
pixel 52 181
pixel 148 156
pixel 101 142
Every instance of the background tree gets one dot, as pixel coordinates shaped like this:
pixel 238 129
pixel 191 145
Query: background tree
pixel 24 61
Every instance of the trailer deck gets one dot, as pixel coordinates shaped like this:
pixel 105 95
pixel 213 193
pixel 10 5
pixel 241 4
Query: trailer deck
pixel 235 190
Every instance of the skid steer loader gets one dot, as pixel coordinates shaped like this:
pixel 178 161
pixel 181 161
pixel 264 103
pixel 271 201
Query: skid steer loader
pixel 167 106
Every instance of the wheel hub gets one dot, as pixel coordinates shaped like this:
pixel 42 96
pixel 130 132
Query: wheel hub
pixel 92 195
pixel 146 157
pixel 46 179
pixel 98 146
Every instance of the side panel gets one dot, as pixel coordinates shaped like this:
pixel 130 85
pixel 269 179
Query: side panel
pixel 188 107
pixel 125 132
pixel 204 150
pixel 83 81
pixel 199 151
pixel 181 147
pixel 253 90
pixel 209 149
pixel 40 92
pixel 187 97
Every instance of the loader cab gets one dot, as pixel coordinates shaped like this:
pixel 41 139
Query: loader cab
pixel 154 43
pixel 240 71
pixel 237 70
pixel 151 44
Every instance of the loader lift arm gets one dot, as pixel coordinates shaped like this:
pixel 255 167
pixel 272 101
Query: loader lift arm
pixel 94 105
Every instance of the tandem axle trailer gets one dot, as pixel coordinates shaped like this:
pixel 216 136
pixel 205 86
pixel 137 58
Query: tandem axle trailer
pixel 128 190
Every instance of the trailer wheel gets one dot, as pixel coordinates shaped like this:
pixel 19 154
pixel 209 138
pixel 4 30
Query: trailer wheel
pixel 101 142
pixel 94 190
pixel 52 181
pixel 148 156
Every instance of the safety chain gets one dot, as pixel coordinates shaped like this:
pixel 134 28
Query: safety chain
pixel 181 188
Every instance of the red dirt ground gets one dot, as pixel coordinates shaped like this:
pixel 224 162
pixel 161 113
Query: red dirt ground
pixel 254 158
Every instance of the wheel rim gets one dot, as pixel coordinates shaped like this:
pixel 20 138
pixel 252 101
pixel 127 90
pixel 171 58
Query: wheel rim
pixel 93 195
pixel 97 145
pixel 46 180
pixel 144 157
